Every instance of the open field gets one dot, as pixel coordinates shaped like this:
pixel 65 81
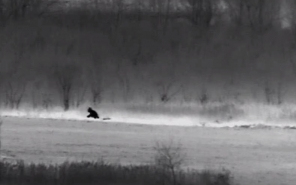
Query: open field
pixel 254 156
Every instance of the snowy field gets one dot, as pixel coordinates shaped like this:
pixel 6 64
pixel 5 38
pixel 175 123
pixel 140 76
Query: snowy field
pixel 261 156
pixel 218 116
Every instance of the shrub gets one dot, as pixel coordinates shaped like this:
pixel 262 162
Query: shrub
pixel 169 158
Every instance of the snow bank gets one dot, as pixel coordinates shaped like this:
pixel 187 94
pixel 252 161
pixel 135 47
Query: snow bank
pixel 150 119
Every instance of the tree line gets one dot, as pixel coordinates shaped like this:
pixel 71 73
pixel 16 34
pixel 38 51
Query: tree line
pixel 103 49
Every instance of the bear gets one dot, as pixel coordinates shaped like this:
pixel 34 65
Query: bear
pixel 92 113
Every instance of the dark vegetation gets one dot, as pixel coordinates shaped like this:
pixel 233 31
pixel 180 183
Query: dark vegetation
pixel 153 52
pixel 78 173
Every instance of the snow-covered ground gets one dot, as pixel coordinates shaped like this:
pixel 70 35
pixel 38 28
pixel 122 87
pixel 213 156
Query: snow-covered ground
pixel 254 156
pixel 254 121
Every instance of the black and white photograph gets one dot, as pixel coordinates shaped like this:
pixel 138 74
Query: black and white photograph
pixel 147 92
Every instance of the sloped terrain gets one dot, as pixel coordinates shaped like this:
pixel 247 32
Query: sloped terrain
pixel 254 156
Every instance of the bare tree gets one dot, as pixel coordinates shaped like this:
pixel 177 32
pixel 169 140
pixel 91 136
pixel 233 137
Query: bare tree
pixel 260 15
pixel 14 81
pixel 35 89
pixel 166 16
pixel 274 92
pixel 201 11
pixel 95 79
pixel 65 77
pixel 1 123
pixel 156 7
pixel 124 81
pixel 203 96
pixel 255 14
pixel 236 11
pixel 268 92
pixel 14 93
pixel 118 6
pixel 79 94
pixel 17 9
pixel 167 90
pixel 161 9
pixel 96 90
pixel 46 100
pixel 280 89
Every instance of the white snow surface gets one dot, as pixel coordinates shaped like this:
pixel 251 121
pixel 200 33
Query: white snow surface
pixel 149 119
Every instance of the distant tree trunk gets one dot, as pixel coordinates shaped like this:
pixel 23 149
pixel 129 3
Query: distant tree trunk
pixel 240 13
pixel 79 95
pixel 14 93
pixel 65 77
pixel 124 82
pixel 66 96
pixel 118 6
pixel 167 14
pixel 95 79
pixel 201 12
pixel 268 91
pixel 1 122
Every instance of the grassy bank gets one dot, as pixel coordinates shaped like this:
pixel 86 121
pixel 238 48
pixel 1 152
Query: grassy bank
pixel 103 173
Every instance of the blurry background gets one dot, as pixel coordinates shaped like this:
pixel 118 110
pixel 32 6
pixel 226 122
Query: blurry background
pixel 75 54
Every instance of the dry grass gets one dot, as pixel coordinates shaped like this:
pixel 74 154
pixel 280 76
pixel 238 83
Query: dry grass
pixel 166 169
pixel 101 173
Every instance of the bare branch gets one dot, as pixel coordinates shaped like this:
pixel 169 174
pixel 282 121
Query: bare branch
pixel 65 78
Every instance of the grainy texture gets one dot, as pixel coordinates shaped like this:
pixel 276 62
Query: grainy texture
pixel 254 156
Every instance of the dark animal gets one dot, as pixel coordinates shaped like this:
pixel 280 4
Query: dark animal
pixel 92 113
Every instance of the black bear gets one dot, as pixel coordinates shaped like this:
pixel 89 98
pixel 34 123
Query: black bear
pixel 92 113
